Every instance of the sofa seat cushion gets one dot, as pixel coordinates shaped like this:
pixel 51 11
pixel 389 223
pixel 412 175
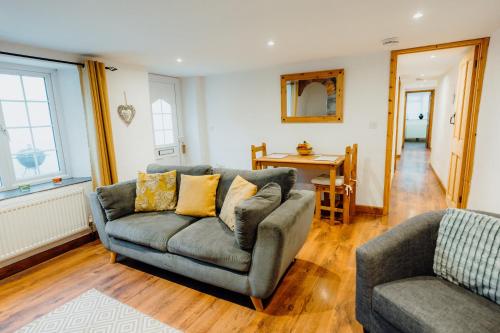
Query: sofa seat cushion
pixel 152 229
pixel 210 240
pixel 431 304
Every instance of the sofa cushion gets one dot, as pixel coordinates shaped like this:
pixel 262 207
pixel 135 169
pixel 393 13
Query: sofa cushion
pixel 249 213
pixel 117 200
pixel 210 240
pixel 195 170
pixel 152 229
pixel 155 192
pixel 467 252
pixel 431 304
pixel 284 177
pixel 197 195
pixel 240 190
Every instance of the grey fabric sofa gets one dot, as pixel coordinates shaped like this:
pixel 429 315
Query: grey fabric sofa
pixel 205 249
pixel 397 291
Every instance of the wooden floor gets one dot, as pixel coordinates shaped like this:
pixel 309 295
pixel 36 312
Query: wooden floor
pixel 317 294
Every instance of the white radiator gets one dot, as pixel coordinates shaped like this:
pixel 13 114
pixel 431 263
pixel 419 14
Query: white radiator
pixel 33 221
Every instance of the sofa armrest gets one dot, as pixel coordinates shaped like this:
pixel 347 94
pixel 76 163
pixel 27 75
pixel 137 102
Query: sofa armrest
pixel 404 251
pixel 99 217
pixel 280 236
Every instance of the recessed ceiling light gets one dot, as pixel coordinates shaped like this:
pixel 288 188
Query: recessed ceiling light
pixel 433 56
pixel 417 15
pixel 270 43
pixel 179 60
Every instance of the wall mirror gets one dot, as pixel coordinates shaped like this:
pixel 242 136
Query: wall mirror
pixel 313 97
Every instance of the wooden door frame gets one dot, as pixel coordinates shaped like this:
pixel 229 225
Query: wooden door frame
pixel 428 134
pixel 397 125
pixel 480 52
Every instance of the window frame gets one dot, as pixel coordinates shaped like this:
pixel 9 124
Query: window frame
pixel 7 173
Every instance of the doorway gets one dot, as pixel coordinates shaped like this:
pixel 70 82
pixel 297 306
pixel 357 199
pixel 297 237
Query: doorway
pixel 166 118
pixel 466 108
pixel 418 116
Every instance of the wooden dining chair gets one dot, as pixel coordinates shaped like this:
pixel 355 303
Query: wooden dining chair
pixel 354 177
pixel 343 188
pixel 256 149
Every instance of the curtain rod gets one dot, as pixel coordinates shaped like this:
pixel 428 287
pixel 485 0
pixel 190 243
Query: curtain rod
pixel 41 58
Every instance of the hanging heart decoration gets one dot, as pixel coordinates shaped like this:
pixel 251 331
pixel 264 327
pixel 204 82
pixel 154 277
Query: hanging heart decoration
pixel 126 111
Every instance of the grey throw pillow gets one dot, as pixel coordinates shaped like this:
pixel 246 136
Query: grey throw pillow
pixel 250 212
pixel 118 199
pixel 284 177
pixel 467 252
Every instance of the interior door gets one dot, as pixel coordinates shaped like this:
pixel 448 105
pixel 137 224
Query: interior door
pixel 164 95
pixel 460 122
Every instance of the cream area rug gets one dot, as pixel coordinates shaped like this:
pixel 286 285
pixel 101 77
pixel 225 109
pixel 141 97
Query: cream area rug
pixel 94 312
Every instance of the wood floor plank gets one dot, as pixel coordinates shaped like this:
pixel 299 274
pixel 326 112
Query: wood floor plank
pixel 316 294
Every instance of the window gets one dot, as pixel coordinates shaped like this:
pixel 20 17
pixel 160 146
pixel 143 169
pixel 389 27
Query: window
pixel 29 136
pixel 162 123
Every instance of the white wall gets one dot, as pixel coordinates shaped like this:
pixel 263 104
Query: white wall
pixel 485 194
pixel 195 130
pixel 244 109
pixel 134 147
pixel 441 128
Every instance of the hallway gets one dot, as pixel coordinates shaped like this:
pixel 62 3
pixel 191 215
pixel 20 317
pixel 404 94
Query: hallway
pixel 415 187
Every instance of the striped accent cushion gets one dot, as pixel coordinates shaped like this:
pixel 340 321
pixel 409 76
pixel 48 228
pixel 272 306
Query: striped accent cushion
pixel 468 252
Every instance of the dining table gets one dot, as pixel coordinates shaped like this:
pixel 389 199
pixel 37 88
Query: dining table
pixel 330 163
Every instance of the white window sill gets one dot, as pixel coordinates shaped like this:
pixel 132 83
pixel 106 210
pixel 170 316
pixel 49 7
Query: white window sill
pixel 43 187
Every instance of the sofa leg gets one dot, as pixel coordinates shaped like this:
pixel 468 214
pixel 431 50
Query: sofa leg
pixel 112 257
pixel 257 303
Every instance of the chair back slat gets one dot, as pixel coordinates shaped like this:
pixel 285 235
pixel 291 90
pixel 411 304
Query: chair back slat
pixel 347 165
pixel 256 149
pixel 354 162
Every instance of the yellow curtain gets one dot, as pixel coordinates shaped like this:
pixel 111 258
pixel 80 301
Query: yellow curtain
pixel 102 121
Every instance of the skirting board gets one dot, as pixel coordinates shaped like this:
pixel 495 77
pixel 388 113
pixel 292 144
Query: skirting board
pixel 38 258
pixel 369 210
pixel 438 179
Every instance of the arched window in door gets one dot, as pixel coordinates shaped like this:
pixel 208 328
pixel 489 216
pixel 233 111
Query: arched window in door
pixel 163 118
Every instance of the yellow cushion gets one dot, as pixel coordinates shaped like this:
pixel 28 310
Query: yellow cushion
pixel 239 190
pixel 155 191
pixel 197 195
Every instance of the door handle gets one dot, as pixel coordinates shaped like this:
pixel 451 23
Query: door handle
pixel 452 119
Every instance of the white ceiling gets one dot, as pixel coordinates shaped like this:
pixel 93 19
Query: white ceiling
pixel 418 70
pixel 430 64
pixel 214 36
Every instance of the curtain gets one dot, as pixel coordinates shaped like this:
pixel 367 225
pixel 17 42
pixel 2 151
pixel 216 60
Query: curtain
pixel 102 123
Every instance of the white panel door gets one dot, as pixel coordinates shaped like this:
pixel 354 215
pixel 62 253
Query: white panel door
pixel 463 104
pixel 166 117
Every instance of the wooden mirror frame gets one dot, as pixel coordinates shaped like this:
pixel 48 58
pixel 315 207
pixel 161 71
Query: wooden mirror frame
pixel 338 118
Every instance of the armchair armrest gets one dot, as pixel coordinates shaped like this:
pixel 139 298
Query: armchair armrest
pixel 99 217
pixel 280 236
pixel 404 251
